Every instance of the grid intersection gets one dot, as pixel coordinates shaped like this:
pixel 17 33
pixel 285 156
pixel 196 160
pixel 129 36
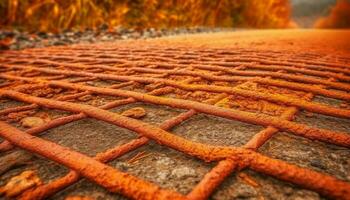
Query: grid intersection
pixel 267 89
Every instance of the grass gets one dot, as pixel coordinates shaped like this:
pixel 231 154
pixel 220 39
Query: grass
pixel 58 15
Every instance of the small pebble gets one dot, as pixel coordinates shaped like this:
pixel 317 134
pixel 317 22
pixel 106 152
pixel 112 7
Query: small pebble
pixel 333 156
pixel 20 183
pixel 317 163
pixel 135 113
pixel 22 40
pixel 164 161
pixel 30 122
pixel 183 172
pixel 162 176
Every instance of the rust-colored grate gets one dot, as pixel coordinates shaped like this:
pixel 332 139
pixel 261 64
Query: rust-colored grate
pixel 261 88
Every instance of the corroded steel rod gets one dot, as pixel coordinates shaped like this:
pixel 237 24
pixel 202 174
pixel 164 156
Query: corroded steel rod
pixel 18 109
pixel 205 152
pixel 104 175
pixel 279 75
pixel 46 190
pixel 342 139
pixel 260 138
pixel 310 106
pixel 225 167
pixel 303 79
pixel 162 65
pixel 212 179
pixel 279 83
pixel 329 186
pixel 5 145
pixel 326 185
pixel 229 62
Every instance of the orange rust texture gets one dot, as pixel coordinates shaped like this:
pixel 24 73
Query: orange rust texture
pixel 59 184
pixel 338 138
pixel 112 179
pixel 205 152
pixel 313 107
pixel 43 191
pixel 241 85
pixel 5 145
pixel 225 167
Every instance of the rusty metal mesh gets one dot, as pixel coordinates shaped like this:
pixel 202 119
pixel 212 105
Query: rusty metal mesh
pixel 262 88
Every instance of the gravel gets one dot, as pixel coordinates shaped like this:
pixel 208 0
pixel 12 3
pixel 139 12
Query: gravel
pixel 183 172
pixel 15 40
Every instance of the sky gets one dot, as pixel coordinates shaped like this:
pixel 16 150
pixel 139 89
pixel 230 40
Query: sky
pixel 306 12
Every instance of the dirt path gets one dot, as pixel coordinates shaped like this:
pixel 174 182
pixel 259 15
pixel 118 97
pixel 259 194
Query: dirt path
pixel 236 115
pixel 331 42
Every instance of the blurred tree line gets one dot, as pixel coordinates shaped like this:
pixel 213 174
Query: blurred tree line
pixel 339 17
pixel 57 15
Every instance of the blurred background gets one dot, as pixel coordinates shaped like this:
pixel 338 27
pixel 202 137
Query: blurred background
pixel 59 15
pixel 321 13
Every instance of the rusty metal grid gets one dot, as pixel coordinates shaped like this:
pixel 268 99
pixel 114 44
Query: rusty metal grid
pixel 262 88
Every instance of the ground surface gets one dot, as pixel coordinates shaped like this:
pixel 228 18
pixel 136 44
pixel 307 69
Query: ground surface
pixel 16 40
pixel 312 58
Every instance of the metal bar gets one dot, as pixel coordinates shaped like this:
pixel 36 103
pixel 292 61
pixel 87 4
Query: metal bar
pixel 338 138
pixel 310 106
pixel 110 178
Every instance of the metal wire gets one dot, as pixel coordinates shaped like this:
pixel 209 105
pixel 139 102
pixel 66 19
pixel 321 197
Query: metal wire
pixel 218 74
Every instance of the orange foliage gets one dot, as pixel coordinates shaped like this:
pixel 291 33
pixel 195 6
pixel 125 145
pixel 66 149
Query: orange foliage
pixel 268 13
pixel 55 15
pixel 338 18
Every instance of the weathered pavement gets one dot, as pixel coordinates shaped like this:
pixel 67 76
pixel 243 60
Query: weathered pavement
pixel 237 115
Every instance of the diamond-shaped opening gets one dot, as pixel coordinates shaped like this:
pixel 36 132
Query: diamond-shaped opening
pixel 89 136
pixel 319 156
pixel 216 130
pixel 164 166
pixel 248 184
pixel 323 121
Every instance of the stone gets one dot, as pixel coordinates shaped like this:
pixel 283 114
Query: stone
pixel 30 122
pixel 317 163
pixel 162 176
pixel 135 113
pixel 333 156
pixel 164 161
pixel 183 172
pixel 20 183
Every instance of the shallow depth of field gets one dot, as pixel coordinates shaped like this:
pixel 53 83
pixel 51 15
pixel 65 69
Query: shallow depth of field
pixel 33 14
pixel 174 99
